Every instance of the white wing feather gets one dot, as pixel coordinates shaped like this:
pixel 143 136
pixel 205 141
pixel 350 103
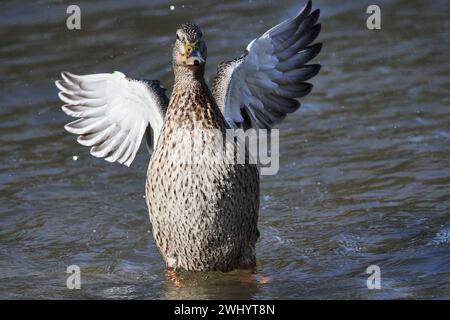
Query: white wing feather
pixel 114 113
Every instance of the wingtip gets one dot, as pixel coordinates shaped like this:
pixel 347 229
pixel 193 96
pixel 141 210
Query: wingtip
pixel 128 162
pixel 66 77
pixel 70 78
pixel 318 68
pixel 65 74
pixel 68 128
pixel 315 49
pixel 62 96
pixel 305 10
pixel 57 83
pixel 307 6
pixel 316 13
pixel 119 161
pixel 319 46
pixel 319 27
pixel 65 110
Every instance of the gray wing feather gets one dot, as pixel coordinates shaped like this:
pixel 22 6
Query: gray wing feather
pixel 262 97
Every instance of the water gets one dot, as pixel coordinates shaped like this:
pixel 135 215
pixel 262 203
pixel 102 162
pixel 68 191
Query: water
pixel 364 170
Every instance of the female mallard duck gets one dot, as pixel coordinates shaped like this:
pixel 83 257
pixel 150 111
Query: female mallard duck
pixel 204 214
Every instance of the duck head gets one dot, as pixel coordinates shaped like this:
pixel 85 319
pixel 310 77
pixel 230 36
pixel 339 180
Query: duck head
pixel 190 48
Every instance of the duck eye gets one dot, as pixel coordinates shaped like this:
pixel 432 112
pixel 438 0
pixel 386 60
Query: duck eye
pixel 178 37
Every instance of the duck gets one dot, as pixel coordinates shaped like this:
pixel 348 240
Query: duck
pixel 203 213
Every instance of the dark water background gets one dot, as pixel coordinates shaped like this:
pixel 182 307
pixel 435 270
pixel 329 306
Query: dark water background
pixel 364 170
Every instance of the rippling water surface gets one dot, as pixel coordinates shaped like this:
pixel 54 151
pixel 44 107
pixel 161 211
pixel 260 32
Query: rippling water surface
pixel 364 170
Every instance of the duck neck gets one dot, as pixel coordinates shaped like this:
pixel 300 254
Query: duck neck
pixel 187 77
pixel 191 100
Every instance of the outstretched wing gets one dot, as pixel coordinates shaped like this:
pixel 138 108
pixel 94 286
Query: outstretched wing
pixel 262 86
pixel 114 112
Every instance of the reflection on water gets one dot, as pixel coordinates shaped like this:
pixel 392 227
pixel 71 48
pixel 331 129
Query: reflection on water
pixel 213 285
pixel 364 169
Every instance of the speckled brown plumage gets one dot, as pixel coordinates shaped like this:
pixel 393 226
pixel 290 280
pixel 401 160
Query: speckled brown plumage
pixel 204 216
